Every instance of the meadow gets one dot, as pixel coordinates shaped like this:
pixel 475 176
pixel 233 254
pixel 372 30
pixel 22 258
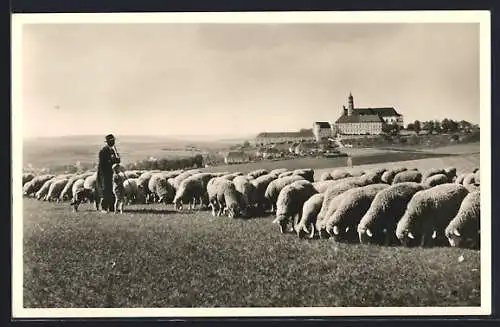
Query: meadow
pixel 152 256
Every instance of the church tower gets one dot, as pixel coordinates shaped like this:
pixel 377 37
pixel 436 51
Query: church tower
pixel 350 105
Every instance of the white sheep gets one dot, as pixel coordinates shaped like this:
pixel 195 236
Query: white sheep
pixel 322 186
pixel 433 171
pixel 355 203
pixel 191 189
pixel 285 174
pixel 388 176
pixel 27 177
pixel 306 173
pixel 224 198
pixel 261 184
pixel 378 225
pixel 309 215
pixel 33 186
pixel 436 179
pixel 55 189
pixel 247 189
pixel 407 176
pixel 290 202
pixel 428 213
pixel 274 187
pixel 464 228
pixel 258 173
pixel 44 190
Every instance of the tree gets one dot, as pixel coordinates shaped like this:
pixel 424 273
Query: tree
pixel 391 129
pixel 410 127
pixel 428 126
pixel 437 126
pixel 246 144
pixel 416 126
pixel 445 125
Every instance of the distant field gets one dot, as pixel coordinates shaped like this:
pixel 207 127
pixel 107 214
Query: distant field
pixel 153 256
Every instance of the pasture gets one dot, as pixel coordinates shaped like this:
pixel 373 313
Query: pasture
pixel 152 256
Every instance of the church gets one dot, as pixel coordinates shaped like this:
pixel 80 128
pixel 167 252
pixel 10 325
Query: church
pixel 362 121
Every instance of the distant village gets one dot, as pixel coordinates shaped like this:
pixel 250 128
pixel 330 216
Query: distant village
pixel 327 138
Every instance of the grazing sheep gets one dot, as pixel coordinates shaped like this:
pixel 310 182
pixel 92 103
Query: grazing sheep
pixel 131 174
pixel 309 215
pixel 131 191
pixel 55 189
pixel 340 174
pixel 33 186
pixel 464 228
pixel 357 172
pixel 261 184
pixel 437 179
pixel 407 176
pixel 355 203
pixel 81 194
pixel 273 189
pixel 285 174
pixel 306 173
pixel 258 173
pixel 189 190
pixel 246 188
pixel 27 177
pixel 224 197
pixel 278 171
pixel 388 176
pixel 378 225
pixel 290 202
pixel 451 173
pixel 470 182
pixel 232 176
pixel 460 179
pixel 178 179
pixel 143 185
pixel 44 190
pixel 322 186
pixel 378 171
pixel 66 192
pixel 433 171
pixel 325 176
pixel 428 213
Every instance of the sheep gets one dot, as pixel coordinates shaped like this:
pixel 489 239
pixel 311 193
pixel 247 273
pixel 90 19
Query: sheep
pixel 278 171
pixel 355 203
pixel 290 202
pixel 322 186
pixel 178 179
pixel 309 215
pixel 431 172
pixel 131 174
pixel 81 193
pixel 285 174
pixel 477 178
pixel 465 226
pixel 258 173
pixel 261 185
pixel 42 192
pixel 470 182
pixel 340 174
pixel 192 188
pixel 224 197
pixel 388 176
pixel 131 191
pixel 460 179
pixel 33 186
pixel 378 225
pixel 232 176
pixel 273 189
pixel 27 177
pixel 246 188
pixel 162 190
pixel 67 192
pixel 407 176
pixel 143 185
pixel 451 173
pixel 378 171
pixel 436 180
pixel 55 189
pixel 307 173
pixel 428 213
pixel 325 176
pixel 356 173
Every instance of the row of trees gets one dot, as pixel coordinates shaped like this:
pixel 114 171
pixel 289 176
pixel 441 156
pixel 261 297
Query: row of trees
pixel 444 126
pixel 168 164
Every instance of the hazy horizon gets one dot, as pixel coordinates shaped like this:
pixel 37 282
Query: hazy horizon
pixel 231 80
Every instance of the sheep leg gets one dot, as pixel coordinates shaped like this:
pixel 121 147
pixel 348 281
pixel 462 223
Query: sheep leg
pixel 121 206
pixel 117 203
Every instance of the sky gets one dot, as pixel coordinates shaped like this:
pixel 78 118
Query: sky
pixel 240 79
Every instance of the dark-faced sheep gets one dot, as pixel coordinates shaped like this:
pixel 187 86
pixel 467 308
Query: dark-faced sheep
pixel 428 213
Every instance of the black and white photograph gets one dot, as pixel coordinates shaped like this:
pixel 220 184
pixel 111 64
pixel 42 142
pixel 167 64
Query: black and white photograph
pixel 251 164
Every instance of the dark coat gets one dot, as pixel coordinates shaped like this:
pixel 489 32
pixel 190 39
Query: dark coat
pixel 107 158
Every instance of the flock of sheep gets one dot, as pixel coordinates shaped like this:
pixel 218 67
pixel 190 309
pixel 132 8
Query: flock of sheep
pixel 381 206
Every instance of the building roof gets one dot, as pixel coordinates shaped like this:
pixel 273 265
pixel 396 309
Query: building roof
pixel 384 111
pixel 299 134
pixel 322 124
pixel 359 119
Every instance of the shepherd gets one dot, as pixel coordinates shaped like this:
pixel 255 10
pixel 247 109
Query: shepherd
pixel 108 156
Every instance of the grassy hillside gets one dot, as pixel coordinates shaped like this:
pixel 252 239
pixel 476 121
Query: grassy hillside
pixel 152 257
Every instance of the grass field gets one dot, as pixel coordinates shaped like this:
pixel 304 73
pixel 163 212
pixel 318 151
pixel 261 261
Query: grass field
pixel 152 256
